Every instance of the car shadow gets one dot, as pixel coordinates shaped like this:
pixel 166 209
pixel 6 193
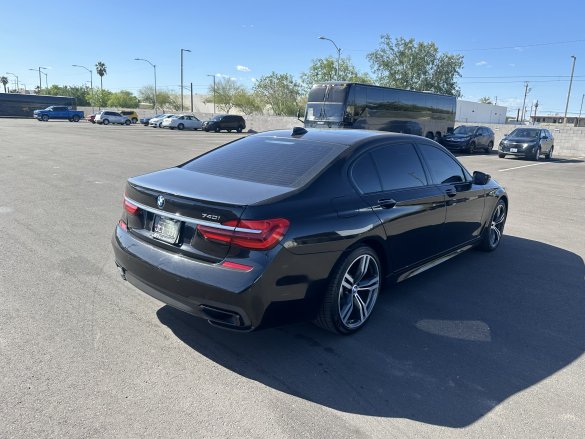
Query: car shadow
pixel 443 348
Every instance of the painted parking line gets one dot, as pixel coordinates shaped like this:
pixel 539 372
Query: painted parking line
pixel 538 164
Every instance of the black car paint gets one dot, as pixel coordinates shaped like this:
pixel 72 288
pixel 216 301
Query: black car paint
pixel 482 137
pixel 526 146
pixel 327 217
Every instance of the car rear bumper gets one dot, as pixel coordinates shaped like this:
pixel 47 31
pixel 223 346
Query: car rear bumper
pixel 225 297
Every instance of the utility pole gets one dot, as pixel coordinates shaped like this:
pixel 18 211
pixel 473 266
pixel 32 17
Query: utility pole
pixel 535 110
pixel 526 91
pixel 570 84
pixel 496 101
pixel 213 93
pixel 191 97
pixel 581 109
pixel 182 50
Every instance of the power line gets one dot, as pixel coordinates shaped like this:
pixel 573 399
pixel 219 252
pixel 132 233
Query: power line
pixel 518 46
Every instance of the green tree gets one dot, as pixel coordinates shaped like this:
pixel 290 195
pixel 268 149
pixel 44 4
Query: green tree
pixel 82 94
pixel 418 66
pixel 123 99
pixel 485 100
pixel 280 92
pixel 325 69
pixel 100 98
pixel 101 70
pixel 247 102
pixel 4 81
pixel 226 90
pixel 146 94
pixel 168 101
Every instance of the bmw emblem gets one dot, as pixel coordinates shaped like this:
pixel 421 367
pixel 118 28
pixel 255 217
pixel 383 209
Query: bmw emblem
pixel 160 201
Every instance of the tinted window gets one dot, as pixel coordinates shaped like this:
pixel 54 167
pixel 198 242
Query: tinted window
pixel 365 176
pixel 443 167
pixel 399 167
pixel 274 161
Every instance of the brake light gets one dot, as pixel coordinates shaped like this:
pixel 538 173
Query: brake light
pixel 251 234
pixel 123 225
pixel 129 207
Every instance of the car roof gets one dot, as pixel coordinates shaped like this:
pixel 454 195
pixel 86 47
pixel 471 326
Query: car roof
pixel 339 136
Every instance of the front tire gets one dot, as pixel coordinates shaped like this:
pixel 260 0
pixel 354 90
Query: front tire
pixel 127 122
pixel 489 148
pixel 352 292
pixel 536 156
pixel 240 128
pixel 500 155
pixel 549 156
pixel 134 120
pixel 106 121
pixel 75 118
pixel 492 235
pixel 217 130
pixel 44 118
pixel 181 127
pixel 471 148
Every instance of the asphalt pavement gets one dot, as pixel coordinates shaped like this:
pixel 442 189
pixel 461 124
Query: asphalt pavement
pixel 482 346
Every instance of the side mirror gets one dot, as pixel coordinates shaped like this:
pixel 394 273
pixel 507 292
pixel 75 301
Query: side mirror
pixel 481 178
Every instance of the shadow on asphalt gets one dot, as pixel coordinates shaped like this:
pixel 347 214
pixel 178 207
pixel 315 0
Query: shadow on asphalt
pixel 443 348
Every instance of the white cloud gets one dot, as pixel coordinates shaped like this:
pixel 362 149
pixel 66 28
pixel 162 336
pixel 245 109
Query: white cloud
pixel 512 65
pixel 243 68
pixel 481 63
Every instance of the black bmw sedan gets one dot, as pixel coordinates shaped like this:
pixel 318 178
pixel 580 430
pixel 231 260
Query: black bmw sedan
pixel 301 224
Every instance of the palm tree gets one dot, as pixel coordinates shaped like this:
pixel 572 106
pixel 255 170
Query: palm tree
pixel 4 81
pixel 100 69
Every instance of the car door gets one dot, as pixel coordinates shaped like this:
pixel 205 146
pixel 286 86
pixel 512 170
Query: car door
pixel 411 210
pixel 465 202
pixel 546 141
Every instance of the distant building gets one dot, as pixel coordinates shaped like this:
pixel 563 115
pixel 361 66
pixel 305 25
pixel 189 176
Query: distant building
pixel 559 118
pixel 474 112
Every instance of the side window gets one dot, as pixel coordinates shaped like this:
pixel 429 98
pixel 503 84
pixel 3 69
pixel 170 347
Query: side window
pixel 399 166
pixel 365 176
pixel 442 166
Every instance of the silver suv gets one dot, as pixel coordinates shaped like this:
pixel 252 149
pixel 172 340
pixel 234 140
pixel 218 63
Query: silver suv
pixel 107 117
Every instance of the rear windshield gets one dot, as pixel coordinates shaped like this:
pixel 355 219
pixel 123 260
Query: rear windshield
pixel 274 161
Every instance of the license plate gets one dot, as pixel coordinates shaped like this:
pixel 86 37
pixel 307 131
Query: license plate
pixel 166 229
pixel 513 149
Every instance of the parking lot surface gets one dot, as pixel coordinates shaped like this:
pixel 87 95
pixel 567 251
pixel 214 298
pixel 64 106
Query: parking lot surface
pixel 485 345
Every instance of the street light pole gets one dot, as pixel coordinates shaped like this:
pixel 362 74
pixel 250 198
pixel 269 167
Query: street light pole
pixel 17 87
pixel 182 50
pixel 570 84
pixel 338 54
pixel 581 109
pixel 154 67
pixel 213 93
pixel 40 81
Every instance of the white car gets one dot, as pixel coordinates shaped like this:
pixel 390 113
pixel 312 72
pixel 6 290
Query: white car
pixel 181 122
pixel 107 117
pixel 156 122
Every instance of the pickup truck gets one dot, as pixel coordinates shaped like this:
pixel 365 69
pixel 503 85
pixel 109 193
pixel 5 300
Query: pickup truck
pixel 55 112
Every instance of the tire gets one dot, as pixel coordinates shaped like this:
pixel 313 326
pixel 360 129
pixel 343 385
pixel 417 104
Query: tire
pixel 229 130
pixel 181 127
pixel 536 155
pixel 239 129
pixel 160 124
pixel 217 130
pixel 75 118
pixel 134 120
pixel 106 121
pixel 127 122
pixel 346 307
pixel 93 121
pixel 492 235
pixel 500 155
pixel 44 118
pixel 471 148
pixel 489 148
pixel 70 119
pixel 549 156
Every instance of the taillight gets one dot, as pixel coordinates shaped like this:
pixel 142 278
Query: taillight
pixel 129 207
pixel 251 234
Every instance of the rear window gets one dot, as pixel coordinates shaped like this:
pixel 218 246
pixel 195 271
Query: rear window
pixel 274 161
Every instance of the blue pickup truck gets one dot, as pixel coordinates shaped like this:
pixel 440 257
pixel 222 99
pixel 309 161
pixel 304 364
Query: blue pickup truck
pixel 55 112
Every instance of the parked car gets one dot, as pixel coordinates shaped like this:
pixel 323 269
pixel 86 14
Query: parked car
pixel 145 120
pixel 156 122
pixel 181 122
pixel 529 143
pixel 228 122
pixel 55 112
pixel 301 223
pixel 107 117
pixel 130 114
pixel 469 138
pixel 91 117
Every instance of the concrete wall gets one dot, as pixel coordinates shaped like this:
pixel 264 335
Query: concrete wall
pixel 474 112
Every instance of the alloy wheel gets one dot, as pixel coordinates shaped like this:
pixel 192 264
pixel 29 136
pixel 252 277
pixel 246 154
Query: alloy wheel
pixel 358 291
pixel 497 225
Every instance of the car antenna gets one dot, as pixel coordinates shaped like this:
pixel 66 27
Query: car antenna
pixel 299 131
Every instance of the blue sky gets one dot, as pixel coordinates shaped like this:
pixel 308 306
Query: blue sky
pixel 504 43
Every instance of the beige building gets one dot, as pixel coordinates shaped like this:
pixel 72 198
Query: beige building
pixel 559 118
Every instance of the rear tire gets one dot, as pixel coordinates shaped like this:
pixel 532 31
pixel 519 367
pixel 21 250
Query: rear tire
pixel 500 155
pixel 134 120
pixel 549 156
pixel 489 148
pixel 75 118
pixel 471 148
pixel 181 127
pixel 536 155
pixel 239 130
pixel 492 235
pixel 217 130
pixel 106 121
pixel 127 122
pixel 352 292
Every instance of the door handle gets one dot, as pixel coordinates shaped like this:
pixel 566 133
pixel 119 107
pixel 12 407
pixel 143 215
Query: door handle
pixel 387 203
pixel 451 192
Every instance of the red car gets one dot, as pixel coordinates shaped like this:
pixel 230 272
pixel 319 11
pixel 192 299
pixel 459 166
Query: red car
pixel 90 118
